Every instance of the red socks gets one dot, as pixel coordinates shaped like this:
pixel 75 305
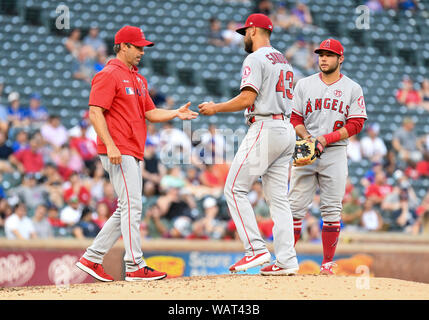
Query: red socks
pixel 297 225
pixel 330 235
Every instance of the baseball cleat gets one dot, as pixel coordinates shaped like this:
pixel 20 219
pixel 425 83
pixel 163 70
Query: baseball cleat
pixel 250 262
pixel 95 270
pixel 274 270
pixel 327 268
pixel 146 274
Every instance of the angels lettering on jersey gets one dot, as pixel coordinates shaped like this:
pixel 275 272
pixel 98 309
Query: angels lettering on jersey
pixel 326 108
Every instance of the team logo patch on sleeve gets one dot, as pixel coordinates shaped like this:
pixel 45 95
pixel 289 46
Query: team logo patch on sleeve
pixel 361 102
pixel 129 90
pixel 246 72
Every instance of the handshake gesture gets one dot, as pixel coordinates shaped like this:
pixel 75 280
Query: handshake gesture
pixel 205 108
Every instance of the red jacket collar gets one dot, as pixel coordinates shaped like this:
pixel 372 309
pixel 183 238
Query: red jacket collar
pixel 119 63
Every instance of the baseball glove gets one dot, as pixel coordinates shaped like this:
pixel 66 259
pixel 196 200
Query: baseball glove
pixel 306 152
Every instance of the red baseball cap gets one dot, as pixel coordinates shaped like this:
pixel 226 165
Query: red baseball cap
pixel 133 35
pixel 256 20
pixel 331 45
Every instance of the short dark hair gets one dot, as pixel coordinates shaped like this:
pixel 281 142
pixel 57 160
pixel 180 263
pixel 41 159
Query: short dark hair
pixel 117 47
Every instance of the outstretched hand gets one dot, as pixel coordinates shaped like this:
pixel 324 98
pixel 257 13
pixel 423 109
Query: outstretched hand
pixel 184 113
pixel 207 108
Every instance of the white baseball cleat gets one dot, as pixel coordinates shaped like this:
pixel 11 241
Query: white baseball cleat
pixel 274 270
pixel 250 262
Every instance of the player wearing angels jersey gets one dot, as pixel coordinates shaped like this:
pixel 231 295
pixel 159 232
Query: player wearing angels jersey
pixel 330 107
pixel 266 150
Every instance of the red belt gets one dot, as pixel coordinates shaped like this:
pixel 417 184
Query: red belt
pixel 279 116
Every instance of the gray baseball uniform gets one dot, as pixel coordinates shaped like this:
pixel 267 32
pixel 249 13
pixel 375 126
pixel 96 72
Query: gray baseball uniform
pixel 325 108
pixel 122 222
pixel 265 152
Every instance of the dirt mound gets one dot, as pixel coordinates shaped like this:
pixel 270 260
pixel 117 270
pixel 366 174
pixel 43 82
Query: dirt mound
pixel 232 287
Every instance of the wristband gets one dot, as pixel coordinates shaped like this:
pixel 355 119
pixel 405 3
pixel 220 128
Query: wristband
pixel 332 137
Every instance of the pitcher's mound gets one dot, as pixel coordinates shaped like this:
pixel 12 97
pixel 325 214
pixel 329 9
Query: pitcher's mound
pixel 232 287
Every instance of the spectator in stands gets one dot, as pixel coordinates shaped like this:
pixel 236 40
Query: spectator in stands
pixel 173 179
pixel 214 145
pixel 407 5
pixel 5 151
pixel 30 192
pixel 354 149
pixel 172 207
pixel 302 12
pixel 155 225
pixel 94 41
pixel 19 225
pixel 405 142
pixel 390 163
pixel 313 230
pixel 86 147
pixel 212 226
pixel 4 124
pixel 83 66
pixel 71 213
pixel 96 179
pixel 422 166
pixel 59 227
pixel 374 6
pixel 17 115
pixel 153 170
pixel 86 227
pixel 54 132
pixel 378 190
pixel 37 113
pixel 407 95
pixel 100 61
pixel 373 147
pixel 371 219
pixel 174 145
pixel 389 4
pixel 210 179
pixel 21 140
pixel 231 37
pixel 264 6
pixel 424 94
pixel 352 211
pixel 301 56
pixel 284 19
pixel 5 212
pixel 214 35
pixel 422 212
pixel 109 197
pixel 102 214
pixel 398 210
pixel 41 223
pixel 153 135
pixel 28 160
pixel 67 161
pixel 53 185
pixel 161 100
pixel 73 42
pixel 77 189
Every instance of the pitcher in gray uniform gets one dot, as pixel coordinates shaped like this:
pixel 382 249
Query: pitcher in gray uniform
pixel 266 150
pixel 330 107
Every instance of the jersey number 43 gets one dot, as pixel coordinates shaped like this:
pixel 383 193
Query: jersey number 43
pixel 281 87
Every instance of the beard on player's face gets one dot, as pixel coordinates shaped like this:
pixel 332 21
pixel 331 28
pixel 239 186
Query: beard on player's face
pixel 329 68
pixel 248 44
